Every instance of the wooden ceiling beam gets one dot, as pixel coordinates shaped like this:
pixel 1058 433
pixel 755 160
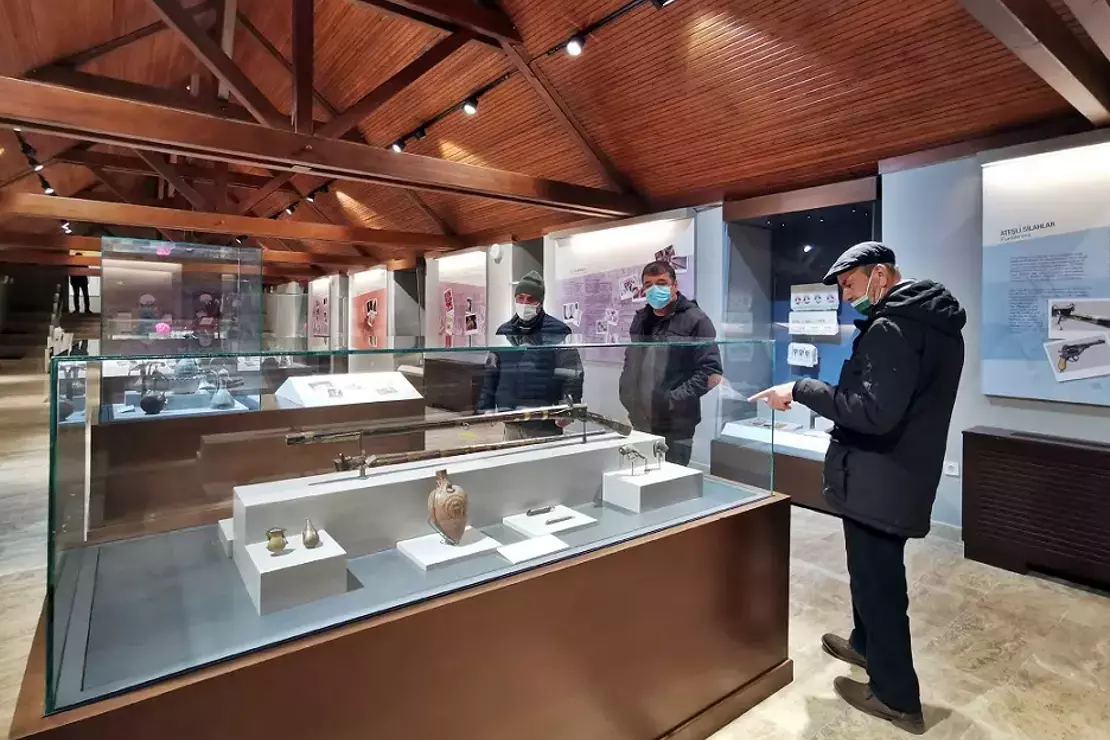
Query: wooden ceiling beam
pixel 202 11
pixel 173 97
pixel 1037 35
pixel 488 24
pixel 126 195
pixel 209 53
pixel 169 173
pixel 86 211
pixel 136 166
pixel 368 103
pixel 303 48
pixel 82 115
pixel 74 243
pixel 1094 16
pixel 561 111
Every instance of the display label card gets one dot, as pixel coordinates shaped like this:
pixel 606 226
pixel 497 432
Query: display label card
pixel 814 297
pixel 814 323
pixel 339 390
pixel 801 355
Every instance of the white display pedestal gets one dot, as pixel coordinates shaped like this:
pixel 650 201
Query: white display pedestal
pixel 532 548
pixel 431 550
pixel 537 526
pixel 637 492
pixel 313 391
pixel 226 528
pixel 296 576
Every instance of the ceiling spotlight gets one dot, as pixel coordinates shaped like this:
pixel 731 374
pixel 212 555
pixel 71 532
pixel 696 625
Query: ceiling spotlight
pixel 662 3
pixel 66 227
pixel 398 146
pixel 470 106
pixel 238 240
pixel 807 248
pixel 574 46
pixel 311 197
pixel 45 186
pixel 289 211
pixel 420 133
pixel 17 129
pixel 36 166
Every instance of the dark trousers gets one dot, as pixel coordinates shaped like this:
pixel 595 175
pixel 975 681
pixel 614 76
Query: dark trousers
pixel 80 287
pixel 880 601
pixel 679 450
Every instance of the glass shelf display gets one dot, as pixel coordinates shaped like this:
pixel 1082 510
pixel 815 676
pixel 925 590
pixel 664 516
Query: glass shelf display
pixel 329 487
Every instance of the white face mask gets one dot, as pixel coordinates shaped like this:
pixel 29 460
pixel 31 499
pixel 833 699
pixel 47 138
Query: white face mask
pixel 527 311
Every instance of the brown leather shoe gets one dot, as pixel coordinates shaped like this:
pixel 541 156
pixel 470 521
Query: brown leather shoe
pixel 842 649
pixel 859 696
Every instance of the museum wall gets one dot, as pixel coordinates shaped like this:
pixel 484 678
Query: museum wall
pixel 932 218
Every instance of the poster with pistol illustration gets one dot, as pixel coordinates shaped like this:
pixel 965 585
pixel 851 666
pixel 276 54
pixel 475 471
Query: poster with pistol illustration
pixel 1046 277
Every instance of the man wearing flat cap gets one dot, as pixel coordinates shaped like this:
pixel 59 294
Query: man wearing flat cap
pixel 891 409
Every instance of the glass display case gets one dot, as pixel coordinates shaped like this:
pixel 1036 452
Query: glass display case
pixel 332 496
pixel 172 298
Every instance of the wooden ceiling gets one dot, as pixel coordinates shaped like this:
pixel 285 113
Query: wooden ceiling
pixel 679 105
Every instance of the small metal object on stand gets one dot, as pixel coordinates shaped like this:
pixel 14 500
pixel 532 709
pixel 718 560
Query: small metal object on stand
pixel 660 450
pixel 631 454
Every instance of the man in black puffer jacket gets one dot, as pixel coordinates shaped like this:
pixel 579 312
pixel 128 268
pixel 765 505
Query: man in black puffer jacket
pixel 661 386
pixel 891 409
pixel 537 371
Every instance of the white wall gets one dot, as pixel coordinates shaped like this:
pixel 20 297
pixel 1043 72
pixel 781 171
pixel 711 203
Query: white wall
pixel 932 219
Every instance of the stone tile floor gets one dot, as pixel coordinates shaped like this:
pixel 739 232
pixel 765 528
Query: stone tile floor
pixel 999 655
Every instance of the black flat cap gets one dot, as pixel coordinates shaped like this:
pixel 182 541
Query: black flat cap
pixel 861 255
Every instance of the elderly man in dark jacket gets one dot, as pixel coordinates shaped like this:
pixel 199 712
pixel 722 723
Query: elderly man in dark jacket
pixel 891 409
pixel 660 386
pixel 536 371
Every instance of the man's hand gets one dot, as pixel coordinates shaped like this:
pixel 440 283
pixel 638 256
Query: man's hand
pixel 778 397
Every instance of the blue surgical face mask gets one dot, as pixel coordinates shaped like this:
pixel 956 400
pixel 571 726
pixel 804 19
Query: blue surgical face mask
pixel 658 296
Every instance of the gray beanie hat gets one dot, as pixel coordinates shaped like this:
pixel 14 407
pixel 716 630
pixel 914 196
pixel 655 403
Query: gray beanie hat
pixel 531 284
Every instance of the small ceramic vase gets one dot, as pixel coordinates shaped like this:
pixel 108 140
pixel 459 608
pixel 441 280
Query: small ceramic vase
pixel 152 402
pixel 447 509
pixel 310 536
pixel 275 540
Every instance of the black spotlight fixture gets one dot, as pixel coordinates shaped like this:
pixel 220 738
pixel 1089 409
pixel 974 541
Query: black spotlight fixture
pixel 662 3
pixel 420 134
pixel 398 146
pixel 311 197
pixel 46 188
pixel 575 44
pixel 470 106
pixel 36 166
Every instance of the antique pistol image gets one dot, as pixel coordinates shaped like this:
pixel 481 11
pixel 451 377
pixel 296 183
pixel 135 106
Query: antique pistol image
pixel 1071 351
pixel 1066 311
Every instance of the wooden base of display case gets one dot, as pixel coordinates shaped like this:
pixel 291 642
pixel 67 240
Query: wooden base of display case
pixel 671 635
pixel 799 478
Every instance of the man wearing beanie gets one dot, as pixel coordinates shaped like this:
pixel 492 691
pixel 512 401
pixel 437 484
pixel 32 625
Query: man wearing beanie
pixel 891 408
pixel 537 371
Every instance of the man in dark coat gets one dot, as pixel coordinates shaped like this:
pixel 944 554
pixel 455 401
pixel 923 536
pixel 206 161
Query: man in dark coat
pixel 891 409
pixel 661 386
pixel 537 371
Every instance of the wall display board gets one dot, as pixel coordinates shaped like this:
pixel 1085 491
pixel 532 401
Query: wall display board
pixel 369 309
pixel 598 288
pixel 319 312
pixel 1046 276
pixel 461 299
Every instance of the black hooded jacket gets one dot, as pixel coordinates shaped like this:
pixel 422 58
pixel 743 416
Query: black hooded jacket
pixel 891 409
pixel 661 386
pixel 539 371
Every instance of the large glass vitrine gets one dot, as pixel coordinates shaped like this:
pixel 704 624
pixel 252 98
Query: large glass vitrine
pixel 324 496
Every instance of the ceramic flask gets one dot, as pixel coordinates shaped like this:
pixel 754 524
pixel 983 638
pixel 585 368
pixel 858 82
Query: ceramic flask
pixel 275 540
pixel 447 509
pixel 310 536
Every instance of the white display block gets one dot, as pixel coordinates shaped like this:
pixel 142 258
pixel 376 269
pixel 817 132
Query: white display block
pixel 312 391
pixel 226 529
pixel 537 526
pixel 294 576
pixel 390 504
pixel 533 548
pixel 432 550
pixel 657 487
